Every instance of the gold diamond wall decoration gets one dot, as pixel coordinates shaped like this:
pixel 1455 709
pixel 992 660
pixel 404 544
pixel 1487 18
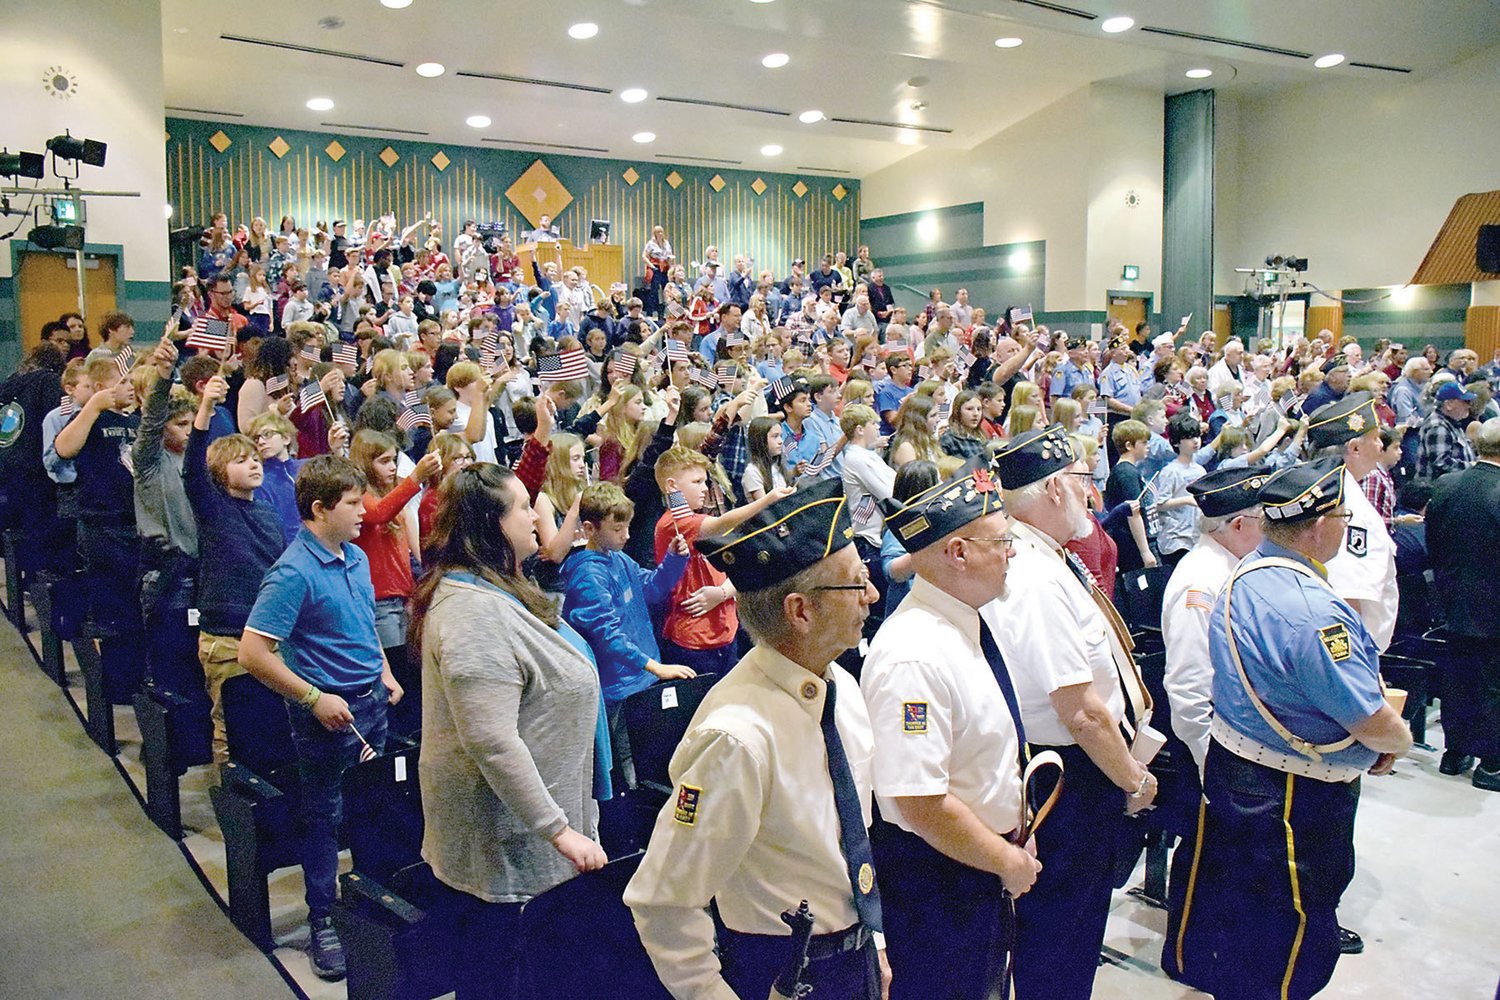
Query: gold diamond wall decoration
pixel 799 189
pixel 440 160
pixel 758 186
pixel 717 183
pixel 674 180
pixel 334 150
pixel 538 192
pixel 389 156
pixel 220 141
pixel 840 192
pixel 279 147
pixel 630 176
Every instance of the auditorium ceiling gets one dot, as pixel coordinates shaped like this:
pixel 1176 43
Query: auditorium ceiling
pixel 888 77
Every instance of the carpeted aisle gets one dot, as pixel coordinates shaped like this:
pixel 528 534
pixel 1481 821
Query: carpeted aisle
pixel 94 900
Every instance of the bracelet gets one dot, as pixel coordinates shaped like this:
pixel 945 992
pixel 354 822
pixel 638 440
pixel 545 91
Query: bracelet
pixel 311 698
pixel 1147 778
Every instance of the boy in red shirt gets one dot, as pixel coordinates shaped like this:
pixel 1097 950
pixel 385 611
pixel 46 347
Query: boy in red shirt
pixel 701 620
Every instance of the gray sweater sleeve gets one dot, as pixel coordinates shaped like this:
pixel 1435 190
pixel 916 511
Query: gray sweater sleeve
pixel 484 671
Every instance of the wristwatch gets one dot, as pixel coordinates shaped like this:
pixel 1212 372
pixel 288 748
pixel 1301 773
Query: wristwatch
pixel 1146 779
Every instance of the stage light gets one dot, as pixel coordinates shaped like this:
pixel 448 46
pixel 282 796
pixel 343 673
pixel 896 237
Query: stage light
pixel 1115 25
pixel 86 151
pixel 431 69
pixel 320 104
pixel 477 121
pixel 22 164
pixel 644 137
pixel 583 30
pixel 1199 74
pixel 811 117
pixel 57 237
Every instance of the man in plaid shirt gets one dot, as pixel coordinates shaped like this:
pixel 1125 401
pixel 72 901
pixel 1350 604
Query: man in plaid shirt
pixel 1442 445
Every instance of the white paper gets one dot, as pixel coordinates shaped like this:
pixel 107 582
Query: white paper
pixel 669 698
pixel 400 768
pixel 192 617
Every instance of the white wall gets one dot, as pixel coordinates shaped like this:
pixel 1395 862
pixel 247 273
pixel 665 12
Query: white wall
pixel 113 49
pixel 1060 175
pixel 1358 176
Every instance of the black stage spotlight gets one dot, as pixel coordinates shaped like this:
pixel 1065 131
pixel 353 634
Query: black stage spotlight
pixel 57 237
pixel 22 165
pixel 87 151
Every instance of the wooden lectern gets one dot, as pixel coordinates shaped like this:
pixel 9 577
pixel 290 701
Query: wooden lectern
pixel 605 262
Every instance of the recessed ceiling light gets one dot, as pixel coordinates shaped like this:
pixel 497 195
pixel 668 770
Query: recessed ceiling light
pixel 320 104
pixel 477 121
pixel 1115 25
pixel 644 137
pixel 584 29
pixel 775 60
pixel 760 1
pixel 810 117
pixel 634 95
pixel 1007 43
pixel 1199 74
pixel 431 69
pixel 395 4
pixel 770 149
pixel 1332 59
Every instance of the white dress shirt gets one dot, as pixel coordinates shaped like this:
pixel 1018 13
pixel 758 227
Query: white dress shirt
pixel 940 719
pixel 759 831
pixel 1365 568
pixel 1186 607
pixel 866 475
pixel 1052 636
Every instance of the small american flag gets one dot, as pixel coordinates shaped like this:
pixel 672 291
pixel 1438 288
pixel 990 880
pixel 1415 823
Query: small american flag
pixel 869 359
pixel 782 387
pixel 490 357
pixel 865 509
pixel 312 397
pixel 312 352
pixel 706 379
pixel 678 505
pixel 964 358
pixel 942 410
pixel 1020 314
pixel 413 417
pixel 623 366
pixel 1198 599
pixel 209 334
pixel 821 460
pixel 410 399
pixel 123 360
pixel 67 406
pixel 569 366
pixel 366 752
pixel 275 384
pixel 676 351
pixel 346 354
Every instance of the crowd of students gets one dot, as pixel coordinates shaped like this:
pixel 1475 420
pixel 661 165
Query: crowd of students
pixel 344 453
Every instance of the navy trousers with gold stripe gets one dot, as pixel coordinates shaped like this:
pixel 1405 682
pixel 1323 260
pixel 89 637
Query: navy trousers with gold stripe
pixel 1251 913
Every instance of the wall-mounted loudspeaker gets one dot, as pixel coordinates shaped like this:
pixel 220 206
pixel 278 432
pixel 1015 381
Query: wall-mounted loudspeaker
pixel 1487 249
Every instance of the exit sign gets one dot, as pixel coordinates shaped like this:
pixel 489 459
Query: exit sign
pixel 1130 272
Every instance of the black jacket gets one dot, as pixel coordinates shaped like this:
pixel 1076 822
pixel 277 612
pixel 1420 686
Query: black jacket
pixel 1463 535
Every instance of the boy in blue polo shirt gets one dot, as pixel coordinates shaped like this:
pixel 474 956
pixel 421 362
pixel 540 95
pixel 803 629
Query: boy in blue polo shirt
pixel 318 604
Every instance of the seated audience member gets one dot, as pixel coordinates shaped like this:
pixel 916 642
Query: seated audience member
pixel 509 729
pixel 610 600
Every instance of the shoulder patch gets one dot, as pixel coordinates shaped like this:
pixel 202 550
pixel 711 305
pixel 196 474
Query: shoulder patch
pixel 1199 599
pixel 686 812
pixel 1335 639
pixel 914 717
pixel 1358 542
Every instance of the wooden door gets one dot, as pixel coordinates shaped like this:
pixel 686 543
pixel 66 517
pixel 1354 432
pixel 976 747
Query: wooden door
pixel 1127 309
pixel 47 286
pixel 1223 324
pixel 1320 318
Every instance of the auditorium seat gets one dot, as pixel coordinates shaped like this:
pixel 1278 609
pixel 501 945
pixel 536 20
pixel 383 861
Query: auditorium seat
pixel 1138 597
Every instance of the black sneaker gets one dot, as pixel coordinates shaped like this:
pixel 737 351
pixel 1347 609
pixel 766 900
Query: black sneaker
pixel 1350 943
pixel 324 949
pixel 1486 779
pixel 1454 762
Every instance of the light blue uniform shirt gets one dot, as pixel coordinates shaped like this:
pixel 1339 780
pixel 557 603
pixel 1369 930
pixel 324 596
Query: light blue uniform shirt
pixel 1307 654
pixel 1121 383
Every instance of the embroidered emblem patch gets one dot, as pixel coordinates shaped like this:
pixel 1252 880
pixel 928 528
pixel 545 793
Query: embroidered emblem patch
pixel 1335 639
pixel 1358 542
pixel 866 878
pixel 914 717
pixel 686 812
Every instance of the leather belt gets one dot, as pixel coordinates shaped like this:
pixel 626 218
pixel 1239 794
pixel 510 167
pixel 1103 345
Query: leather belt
pixel 823 946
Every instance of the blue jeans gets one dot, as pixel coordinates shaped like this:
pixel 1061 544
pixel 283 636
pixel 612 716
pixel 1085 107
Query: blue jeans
pixel 718 660
pixel 322 757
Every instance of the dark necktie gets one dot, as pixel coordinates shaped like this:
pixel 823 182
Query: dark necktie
pixel 854 840
pixel 1002 675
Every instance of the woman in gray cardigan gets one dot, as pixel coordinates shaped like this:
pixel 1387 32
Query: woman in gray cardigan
pixel 510 709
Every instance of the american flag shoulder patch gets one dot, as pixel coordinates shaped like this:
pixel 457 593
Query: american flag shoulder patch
pixel 1200 599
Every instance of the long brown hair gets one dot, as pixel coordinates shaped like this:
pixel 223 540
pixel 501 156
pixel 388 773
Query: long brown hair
pixel 467 537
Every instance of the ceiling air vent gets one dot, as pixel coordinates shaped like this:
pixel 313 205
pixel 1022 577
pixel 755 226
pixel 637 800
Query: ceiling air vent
pixel 880 124
pixel 531 81
pixel 1058 8
pixel 545 145
pixel 726 105
pixel 1253 46
pixel 207 111
pixel 697 159
pixel 1383 69
pixel 312 50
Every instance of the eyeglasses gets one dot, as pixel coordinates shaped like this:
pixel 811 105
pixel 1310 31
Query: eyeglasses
pixel 859 585
pixel 1007 540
